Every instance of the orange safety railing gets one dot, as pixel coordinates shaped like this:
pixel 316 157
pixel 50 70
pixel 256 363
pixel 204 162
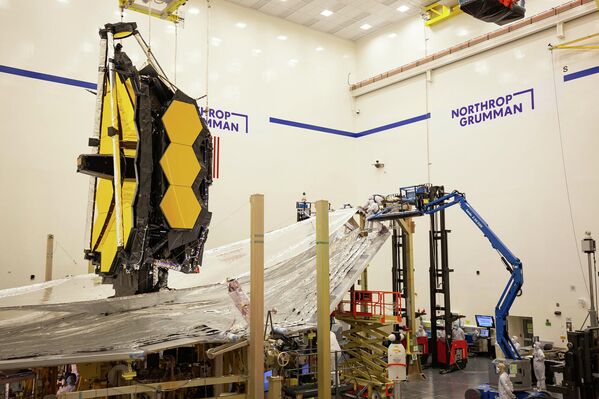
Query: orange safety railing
pixel 383 305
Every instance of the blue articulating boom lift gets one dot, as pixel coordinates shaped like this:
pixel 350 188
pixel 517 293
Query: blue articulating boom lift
pixel 427 200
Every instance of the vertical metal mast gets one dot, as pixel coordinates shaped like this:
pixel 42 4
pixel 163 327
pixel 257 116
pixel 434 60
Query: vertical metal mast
pixel 113 131
pixel 588 247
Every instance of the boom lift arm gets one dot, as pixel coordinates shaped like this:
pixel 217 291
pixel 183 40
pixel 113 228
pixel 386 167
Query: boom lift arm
pixel 428 200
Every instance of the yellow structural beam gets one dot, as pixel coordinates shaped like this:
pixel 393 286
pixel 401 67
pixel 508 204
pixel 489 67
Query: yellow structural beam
pixel 575 44
pixel 256 350
pixel 438 12
pixel 414 366
pixel 168 13
pixel 152 388
pixel 323 301
pixel 173 6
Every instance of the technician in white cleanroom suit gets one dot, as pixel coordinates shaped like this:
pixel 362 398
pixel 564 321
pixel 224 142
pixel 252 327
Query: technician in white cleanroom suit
pixel 516 343
pixel 505 384
pixel 335 353
pixel 69 386
pixel 440 333
pixel 538 364
pixel 457 334
pixel 373 205
pixel 421 332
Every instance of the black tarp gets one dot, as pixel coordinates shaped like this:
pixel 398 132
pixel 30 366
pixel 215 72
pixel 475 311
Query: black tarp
pixel 492 11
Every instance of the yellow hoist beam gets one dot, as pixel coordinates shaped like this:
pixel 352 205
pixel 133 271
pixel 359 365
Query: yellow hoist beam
pixel 438 12
pixel 168 13
pixel 572 44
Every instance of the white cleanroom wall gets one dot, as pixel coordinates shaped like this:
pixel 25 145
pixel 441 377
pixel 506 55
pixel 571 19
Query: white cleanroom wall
pixel 532 174
pixel 409 40
pixel 259 66
pixel 529 172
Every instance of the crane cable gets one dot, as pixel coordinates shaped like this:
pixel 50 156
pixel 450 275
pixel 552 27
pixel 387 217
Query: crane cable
pixel 176 46
pixel 567 186
pixel 149 30
pixel 208 7
pixel 426 94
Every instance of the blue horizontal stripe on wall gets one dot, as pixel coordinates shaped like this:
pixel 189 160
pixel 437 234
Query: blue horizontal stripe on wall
pixel 93 86
pixel 581 74
pixel 394 125
pixel 47 77
pixel 346 133
pixel 307 126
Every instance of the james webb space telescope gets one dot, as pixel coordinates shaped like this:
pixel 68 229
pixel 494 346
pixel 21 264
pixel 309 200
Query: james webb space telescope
pixel 150 170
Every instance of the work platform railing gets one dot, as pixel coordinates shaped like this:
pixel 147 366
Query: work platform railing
pixel 384 306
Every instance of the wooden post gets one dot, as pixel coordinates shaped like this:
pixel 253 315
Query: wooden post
pixel 364 287
pixel 364 279
pixel 414 368
pixel 275 387
pixel 256 350
pixel 49 256
pixel 323 299
pixel 411 276
pixel 407 226
pixel 218 372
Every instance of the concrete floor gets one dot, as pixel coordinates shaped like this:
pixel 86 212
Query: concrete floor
pixel 450 386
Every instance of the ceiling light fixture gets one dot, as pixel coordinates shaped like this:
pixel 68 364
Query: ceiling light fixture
pixel 365 26
pixel 282 37
pixel 326 13
pixel 319 48
pixel 241 25
pixel 403 8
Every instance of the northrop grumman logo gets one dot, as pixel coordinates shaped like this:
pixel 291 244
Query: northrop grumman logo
pixel 493 108
pixel 225 120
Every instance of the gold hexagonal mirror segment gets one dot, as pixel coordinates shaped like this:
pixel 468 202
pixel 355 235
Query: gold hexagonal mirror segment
pixel 180 207
pixel 180 165
pixel 182 122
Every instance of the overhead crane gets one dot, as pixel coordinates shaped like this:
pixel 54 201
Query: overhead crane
pixel 500 12
pixel 169 12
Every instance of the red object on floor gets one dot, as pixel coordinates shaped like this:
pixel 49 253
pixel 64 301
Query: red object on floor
pixel 423 343
pixel 458 352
